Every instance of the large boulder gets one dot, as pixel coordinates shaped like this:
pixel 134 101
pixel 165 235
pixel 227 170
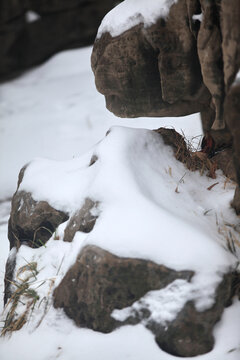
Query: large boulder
pixel 31 31
pixel 100 283
pixel 151 70
pixel 104 282
pixel 169 58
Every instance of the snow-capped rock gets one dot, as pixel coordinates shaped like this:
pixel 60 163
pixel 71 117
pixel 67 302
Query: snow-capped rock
pixel 132 225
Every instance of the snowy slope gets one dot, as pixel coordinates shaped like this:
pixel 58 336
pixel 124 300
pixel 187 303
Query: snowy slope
pixel 55 112
pixel 130 179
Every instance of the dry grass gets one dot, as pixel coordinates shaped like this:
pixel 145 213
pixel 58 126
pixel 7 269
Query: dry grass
pixel 23 294
pixel 188 152
pixel 231 236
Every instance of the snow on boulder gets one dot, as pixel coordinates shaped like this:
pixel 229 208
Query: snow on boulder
pixel 130 13
pixel 125 234
pixel 145 59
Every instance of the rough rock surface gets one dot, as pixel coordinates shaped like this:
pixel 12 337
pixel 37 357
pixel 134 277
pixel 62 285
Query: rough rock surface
pixel 151 71
pixel 32 222
pixel 190 333
pixel 103 282
pixel 83 220
pixel 236 200
pixel 181 55
pixel 231 116
pixel 100 282
pixel 28 39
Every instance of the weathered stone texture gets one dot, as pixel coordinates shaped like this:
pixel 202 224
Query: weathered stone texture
pixel 100 282
pixel 32 222
pixel 151 71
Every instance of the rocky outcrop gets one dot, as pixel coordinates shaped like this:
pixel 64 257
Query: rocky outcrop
pixel 33 222
pixel 183 63
pixel 100 282
pixel 151 71
pixel 31 31
pixel 161 69
pixel 140 279
pixel 231 116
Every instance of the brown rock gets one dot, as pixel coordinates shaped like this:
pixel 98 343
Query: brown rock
pixel 230 14
pixel 181 53
pixel 236 200
pixel 32 222
pixel 224 161
pixel 210 56
pixel 100 282
pixel 83 220
pixel 152 71
pixel 231 115
pixel 191 333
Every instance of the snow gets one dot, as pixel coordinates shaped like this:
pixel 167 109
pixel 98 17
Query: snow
pixel 32 16
pixel 130 13
pixel 130 174
pixel 129 180
pixel 198 17
pixel 164 304
pixel 54 112
pixel 66 342
pixel 237 79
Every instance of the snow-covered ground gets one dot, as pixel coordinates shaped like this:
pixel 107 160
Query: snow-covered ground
pixel 55 112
